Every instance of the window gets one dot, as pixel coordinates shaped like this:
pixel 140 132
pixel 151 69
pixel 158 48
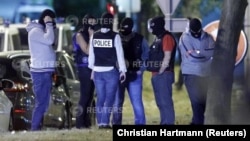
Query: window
pixel 65 68
pixel 16 42
pixel 56 39
pixel 23 34
pixel 1 42
pixel 67 40
pixel 72 65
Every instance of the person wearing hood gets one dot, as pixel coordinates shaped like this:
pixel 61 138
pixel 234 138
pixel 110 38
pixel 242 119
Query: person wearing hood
pixel 136 50
pixel 81 53
pixel 106 59
pixel 196 47
pixel 161 64
pixel 41 39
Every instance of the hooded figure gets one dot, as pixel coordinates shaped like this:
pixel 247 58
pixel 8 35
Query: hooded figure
pixel 107 20
pixel 47 12
pixel 43 60
pixel 126 26
pixel 41 38
pixel 195 28
pixel 157 25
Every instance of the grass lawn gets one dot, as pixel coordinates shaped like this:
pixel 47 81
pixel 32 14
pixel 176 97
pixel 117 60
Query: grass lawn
pixel 182 110
pixel 181 104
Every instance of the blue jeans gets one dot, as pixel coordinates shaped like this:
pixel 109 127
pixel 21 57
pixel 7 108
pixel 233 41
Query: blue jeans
pixel 162 86
pixel 87 94
pixel 197 90
pixel 134 88
pixel 106 84
pixel 42 84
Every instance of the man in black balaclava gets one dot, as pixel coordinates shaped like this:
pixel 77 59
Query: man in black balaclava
pixel 105 53
pixel 195 28
pixel 161 64
pixel 157 25
pixel 135 49
pixel 126 26
pixel 196 47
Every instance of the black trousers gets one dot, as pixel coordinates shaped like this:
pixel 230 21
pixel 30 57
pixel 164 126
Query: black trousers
pixel 86 98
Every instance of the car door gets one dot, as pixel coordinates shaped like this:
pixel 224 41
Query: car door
pixel 68 70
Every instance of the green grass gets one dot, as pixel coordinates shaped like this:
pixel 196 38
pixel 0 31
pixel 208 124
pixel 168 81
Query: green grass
pixel 182 110
pixel 181 103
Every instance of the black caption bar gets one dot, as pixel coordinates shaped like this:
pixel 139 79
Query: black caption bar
pixel 199 132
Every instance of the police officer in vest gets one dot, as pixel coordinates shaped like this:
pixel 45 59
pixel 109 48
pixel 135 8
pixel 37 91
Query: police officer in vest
pixel 104 55
pixel 161 64
pixel 81 53
pixel 136 53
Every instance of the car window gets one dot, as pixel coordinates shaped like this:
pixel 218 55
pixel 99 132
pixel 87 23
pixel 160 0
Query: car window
pixel 16 42
pixel 22 16
pixel 67 40
pixel 10 73
pixel 72 65
pixel 56 39
pixel 1 42
pixel 21 67
pixel 2 70
pixel 66 68
pixel 23 34
pixel 9 44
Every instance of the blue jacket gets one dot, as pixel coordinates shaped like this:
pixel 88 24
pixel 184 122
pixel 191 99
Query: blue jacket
pixel 198 60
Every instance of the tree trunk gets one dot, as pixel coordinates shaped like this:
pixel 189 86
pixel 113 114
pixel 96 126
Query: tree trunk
pixel 218 109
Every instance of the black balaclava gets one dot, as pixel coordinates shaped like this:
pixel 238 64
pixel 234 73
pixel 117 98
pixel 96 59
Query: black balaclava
pixel 107 20
pixel 195 28
pixel 126 26
pixel 157 25
pixel 47 12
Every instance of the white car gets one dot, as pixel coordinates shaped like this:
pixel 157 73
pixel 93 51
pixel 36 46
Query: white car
pixel 18 37
pixel 9 38
pixel 5 107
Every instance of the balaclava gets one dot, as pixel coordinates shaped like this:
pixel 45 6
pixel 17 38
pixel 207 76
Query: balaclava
pixel 47 12
pixel 107 20
pixel 195 28
pixel 157 25
pixel 126 26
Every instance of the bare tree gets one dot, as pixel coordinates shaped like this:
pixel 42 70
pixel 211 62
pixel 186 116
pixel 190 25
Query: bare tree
pixel 220 87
